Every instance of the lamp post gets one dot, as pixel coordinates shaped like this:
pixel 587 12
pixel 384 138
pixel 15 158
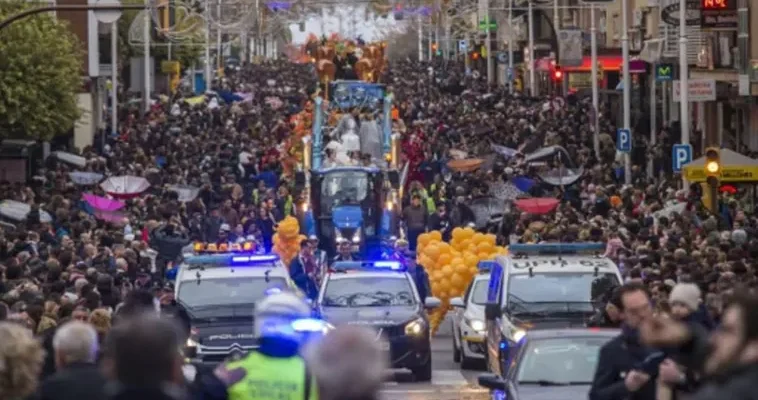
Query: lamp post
pixel 595 95
pixel 627 84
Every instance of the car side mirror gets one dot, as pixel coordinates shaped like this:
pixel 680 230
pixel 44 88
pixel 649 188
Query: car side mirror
pixel 492 311
pixel 493 382
pixel 431 303
pixel 457 302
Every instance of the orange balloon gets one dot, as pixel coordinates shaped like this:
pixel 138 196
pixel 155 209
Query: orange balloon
pixel 491 239
pixel 455 262
pixel 436 235
pixel 432 251
pixel 485 246
pixel 461 268
pixel 444 259
pixel 457 280
pixel 483 256
pixel 447 270
pixel 465 244
pixel 458 234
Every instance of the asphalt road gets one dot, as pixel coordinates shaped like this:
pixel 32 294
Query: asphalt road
pixel 449 382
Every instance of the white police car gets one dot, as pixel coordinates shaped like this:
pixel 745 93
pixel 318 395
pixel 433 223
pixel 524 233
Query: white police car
pixel 469 329
pixel 383 296
pixel 543 286
pixel 219 292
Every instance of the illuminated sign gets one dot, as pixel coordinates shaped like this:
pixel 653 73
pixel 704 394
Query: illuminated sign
pixel 664 72
pixel 718 14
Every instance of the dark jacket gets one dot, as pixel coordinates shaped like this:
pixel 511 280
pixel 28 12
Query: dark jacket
pixel 302 280
pixel 114 392
pixel 616 359
pixel 74 382
pixel 735 384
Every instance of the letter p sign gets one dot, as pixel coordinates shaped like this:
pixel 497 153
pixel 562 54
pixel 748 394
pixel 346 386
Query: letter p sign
pixel 624 140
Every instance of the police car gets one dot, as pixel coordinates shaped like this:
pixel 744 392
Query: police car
pixel 219 286
pixel 382 295
pixel 469 329
pixel 543 286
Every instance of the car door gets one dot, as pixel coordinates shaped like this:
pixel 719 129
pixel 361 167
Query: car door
pixel 494 325
pixel 459 311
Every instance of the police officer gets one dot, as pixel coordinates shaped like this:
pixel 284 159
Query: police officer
pixel 273 371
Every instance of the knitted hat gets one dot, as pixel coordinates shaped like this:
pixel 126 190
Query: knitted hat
pixel 687 294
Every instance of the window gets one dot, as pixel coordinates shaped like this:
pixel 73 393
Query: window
pixel 369 291
pixel 478 293
pixel 561 361
pixel 234 291
pixel 550 291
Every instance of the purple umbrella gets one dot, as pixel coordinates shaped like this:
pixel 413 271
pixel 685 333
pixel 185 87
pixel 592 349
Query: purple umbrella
pixel 103 203
pixel 116 218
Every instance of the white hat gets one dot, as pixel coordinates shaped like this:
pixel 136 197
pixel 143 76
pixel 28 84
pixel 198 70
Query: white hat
pixel 687 294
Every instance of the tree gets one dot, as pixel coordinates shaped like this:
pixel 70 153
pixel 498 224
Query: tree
pixel 40 75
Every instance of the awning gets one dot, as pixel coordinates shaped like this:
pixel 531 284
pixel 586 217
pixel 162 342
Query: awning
pixel 735 167
pixel 609 63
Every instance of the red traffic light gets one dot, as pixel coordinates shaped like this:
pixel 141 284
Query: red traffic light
pixel 557 73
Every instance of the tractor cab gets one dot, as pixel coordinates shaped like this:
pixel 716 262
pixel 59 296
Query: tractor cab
pixel 348 206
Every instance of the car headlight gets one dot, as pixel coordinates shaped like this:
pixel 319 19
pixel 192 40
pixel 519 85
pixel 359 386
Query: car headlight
pixel 190 343
pixel 517 334
pixel 476 324
pixel 357 236
pixel 327 328
pixel 338 236
pixel 415 327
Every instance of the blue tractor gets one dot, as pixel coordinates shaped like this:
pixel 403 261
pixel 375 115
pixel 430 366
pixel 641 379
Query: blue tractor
pixel 358 205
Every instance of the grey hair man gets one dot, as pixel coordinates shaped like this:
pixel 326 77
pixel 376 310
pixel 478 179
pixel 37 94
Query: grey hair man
pixel 77 376
pixel 348 364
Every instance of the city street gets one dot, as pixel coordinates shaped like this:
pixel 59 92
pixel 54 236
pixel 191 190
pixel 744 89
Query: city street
pixel 449 382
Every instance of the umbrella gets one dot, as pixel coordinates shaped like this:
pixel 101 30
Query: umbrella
pixel 468 165
pixel 103 203
pixel 523 183
pixel 18 211
pixel 85 178
pixel 125 187
pixel 110 216
pixel 561 176
pixel 728 189
pixel 670 210
pixel 186 192
pixel 486 209
pixel 68 158
pixel 505 191
pixel 537 205
pixel 506 152
pixel 229 97
pixel 246 97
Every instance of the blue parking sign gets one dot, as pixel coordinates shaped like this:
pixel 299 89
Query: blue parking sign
pixel 624 140
pixel 681 154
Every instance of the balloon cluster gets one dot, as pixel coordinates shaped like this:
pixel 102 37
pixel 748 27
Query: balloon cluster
pixel 287 239
pixel 451 266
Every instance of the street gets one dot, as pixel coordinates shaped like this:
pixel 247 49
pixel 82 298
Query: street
pixel 449 382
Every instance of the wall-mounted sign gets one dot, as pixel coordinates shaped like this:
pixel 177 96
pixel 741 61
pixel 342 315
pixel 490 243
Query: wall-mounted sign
pixel 718 14
pixel 670 13
pixel 664 72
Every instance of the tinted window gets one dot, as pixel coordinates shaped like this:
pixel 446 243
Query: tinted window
pixel 227 291
pixel 348 187
pixel 564 360
pixel 368 292
pixel 479 291
pixel 553 288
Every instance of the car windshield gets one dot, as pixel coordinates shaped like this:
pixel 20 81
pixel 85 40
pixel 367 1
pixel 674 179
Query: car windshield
pixel 226 291
pixel 571 292
pixel 344 187
pixel 561 361
pixel 479 291
pixel 368 292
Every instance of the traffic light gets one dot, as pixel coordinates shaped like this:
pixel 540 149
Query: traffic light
pixel 713 162
pixel 557 73
pixel 398 12
pixel 713 176
pixel 475 55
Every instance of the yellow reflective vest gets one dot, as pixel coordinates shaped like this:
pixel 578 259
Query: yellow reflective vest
pixel 270 378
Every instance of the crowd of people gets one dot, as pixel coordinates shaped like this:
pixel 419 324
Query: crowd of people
pixel 68 279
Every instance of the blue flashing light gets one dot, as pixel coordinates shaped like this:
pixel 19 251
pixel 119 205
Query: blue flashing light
pixel 486 266
pixel 309 325
pixel 230 259
pixel 503 344
pixel 368 266
pixel 557 248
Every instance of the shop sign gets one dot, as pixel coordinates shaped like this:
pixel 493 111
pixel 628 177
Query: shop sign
pixel 718 14
pixel 670 13
pixel 664 72
pixel 699 90
pixel 728 174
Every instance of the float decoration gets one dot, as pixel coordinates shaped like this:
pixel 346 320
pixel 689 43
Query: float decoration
pixel 287 239
pixel 452 266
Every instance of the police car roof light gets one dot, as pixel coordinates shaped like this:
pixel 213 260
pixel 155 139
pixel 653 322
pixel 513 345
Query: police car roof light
pixel 308 325
pixel 557 248
pixel 485 266
pixel 228 259
pixel 267 258
pixel 343 266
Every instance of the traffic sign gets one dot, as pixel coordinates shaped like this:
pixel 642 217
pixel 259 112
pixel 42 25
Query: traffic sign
pixel 624 140
pixel 502 57
pixel 463 45
pixel 108 16
pixel 487 24
pixel 680 154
